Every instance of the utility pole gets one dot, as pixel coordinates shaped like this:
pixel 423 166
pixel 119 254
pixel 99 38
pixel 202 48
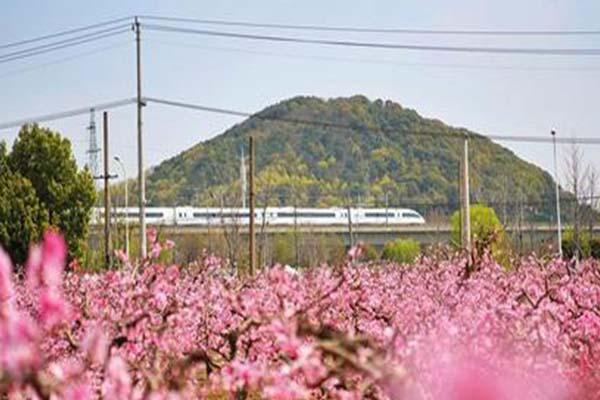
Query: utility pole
pixel 460 206
pixel 106 193
pixel 243 176
pixel 557 189
pixel 140 146
pixel 251 243
pixel 465 214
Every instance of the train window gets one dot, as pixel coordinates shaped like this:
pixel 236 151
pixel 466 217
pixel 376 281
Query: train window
pixel 378 214
pixel 409 214
pixel 305 215
pixel 205 215
pixel 119 214
pixel 123 214
pixel 154 215
pixel 220 215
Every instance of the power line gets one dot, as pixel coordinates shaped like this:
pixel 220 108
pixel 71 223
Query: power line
pixel 68 113
pixel 284 196
pixel 59 42
pixel 63 59
pixel 459 133
pixel 543 139
pixel 376 61
pixel 323 28
pixel 379 45
pixel 63 33
pixel 202 108
pixel 48 48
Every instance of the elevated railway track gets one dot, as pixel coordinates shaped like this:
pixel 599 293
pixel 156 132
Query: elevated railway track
pixel 377 235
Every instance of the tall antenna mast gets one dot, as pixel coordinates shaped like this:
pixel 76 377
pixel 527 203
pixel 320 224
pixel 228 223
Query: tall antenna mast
pixel 93 150
pixel 243 176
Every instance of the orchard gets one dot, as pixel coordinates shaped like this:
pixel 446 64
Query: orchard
pixel 440 328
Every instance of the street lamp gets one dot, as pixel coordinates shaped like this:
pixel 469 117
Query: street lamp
pixel 118 160
pixel 557 189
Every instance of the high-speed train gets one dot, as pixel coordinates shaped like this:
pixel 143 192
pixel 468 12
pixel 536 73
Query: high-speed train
pixel 273 215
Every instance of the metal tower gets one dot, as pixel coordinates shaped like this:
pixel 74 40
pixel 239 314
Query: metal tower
pixel 93 150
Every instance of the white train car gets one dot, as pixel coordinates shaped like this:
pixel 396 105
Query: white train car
pixel 305 216
pixel 154 215
pixel 388 216
pixel 212 216
pixel 278 216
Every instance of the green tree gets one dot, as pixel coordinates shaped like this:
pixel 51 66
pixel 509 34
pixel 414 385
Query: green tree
pixel 486 231
pixel 22 218
pixel 66 194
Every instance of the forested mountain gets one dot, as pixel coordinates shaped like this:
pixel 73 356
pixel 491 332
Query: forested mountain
pixel 363 150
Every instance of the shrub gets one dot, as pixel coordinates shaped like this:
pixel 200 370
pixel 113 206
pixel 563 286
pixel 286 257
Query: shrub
pixel 487 232
pixel 569 248
pixel 370 253
pixel 595 248
pixel 284 251
pixel 401 250
pixel 584 246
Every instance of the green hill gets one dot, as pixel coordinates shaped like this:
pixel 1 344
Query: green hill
pixel 387 149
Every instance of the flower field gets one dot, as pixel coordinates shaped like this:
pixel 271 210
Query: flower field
pixel 430 330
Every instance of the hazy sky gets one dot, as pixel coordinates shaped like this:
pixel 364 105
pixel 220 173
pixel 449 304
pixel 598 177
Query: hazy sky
pixel 490 94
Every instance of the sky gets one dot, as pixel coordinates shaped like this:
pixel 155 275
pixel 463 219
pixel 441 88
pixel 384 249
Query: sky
pixel 519 95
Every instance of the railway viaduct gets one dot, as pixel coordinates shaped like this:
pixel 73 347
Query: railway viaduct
pixel 528 236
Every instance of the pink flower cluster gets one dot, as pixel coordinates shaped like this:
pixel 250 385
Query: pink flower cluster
pixel 424 331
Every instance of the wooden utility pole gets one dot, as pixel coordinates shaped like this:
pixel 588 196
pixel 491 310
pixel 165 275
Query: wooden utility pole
pixel 465 205
pixel 251 238
pixel 140 147
pixel 106 192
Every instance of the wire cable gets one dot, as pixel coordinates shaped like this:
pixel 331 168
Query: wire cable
pixel 62 41
pixel 63 33
pixel 379 45
pixel 321 28
pixel 63 46
pixel 459 133
pixel 395 201
pixel 63 60
pixel 68 113
pixel 373 61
